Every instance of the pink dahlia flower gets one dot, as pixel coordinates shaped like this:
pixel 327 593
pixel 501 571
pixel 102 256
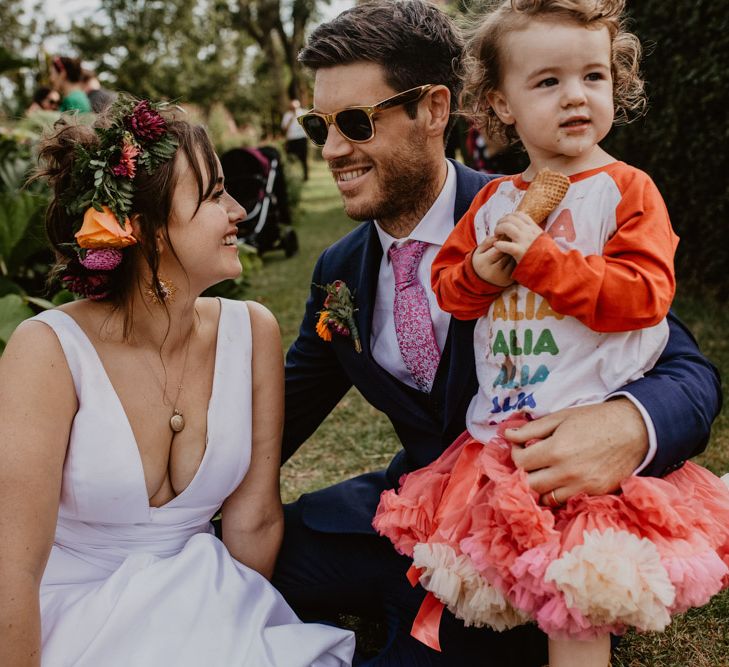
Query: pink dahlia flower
pixel 145 123
pixel 103 259
pixel 127 165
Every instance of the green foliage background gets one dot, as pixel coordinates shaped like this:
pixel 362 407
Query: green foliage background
pixel 173 50
pixel 683 141
pixel 236 53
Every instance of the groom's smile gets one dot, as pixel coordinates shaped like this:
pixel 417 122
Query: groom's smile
pixel 380 178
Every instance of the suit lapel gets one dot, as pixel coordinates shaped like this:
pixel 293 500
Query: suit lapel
pixel 456 373
pixel 367 286
pixel 381 388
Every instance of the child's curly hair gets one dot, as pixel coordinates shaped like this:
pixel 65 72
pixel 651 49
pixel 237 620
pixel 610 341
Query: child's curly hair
pixel 483 66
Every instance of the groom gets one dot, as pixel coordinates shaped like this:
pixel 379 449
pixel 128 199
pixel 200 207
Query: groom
pixel 392 175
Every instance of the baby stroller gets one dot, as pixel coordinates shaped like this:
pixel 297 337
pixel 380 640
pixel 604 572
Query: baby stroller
pixel 254 177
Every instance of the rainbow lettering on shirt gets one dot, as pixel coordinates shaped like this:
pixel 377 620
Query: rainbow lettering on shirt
pixel 517 342
pixel 521 402
pixel 534 307
pixel 510 377
pixel 563 227
pixel 545 343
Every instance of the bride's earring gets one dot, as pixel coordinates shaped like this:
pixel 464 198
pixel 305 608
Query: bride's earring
pixel 165 293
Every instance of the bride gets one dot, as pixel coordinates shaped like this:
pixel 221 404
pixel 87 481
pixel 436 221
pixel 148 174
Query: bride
pixel 129 417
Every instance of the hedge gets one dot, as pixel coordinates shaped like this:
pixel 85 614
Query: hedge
pixel 683 141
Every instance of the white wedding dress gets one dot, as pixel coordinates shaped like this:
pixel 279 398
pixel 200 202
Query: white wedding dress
pixel 129 585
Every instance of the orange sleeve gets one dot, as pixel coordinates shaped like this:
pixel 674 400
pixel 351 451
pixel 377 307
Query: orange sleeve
pixel 631 285
pixel 457 287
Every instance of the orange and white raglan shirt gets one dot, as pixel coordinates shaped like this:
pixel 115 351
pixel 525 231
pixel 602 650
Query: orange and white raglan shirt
pixel 586 314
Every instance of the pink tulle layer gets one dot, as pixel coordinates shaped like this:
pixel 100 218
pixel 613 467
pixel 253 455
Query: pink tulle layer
pixel 494 556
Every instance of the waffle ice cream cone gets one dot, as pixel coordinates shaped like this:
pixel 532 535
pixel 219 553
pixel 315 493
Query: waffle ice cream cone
pixel 543 194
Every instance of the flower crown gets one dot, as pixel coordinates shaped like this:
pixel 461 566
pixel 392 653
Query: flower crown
pixel 100 195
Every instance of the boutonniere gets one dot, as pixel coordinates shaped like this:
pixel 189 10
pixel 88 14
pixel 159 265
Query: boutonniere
pixel 337 316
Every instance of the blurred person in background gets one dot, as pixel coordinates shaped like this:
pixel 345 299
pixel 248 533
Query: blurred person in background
pixel 296 141
pixel 99 97
pixel 44 99
pixel 492 155
pixel 65 76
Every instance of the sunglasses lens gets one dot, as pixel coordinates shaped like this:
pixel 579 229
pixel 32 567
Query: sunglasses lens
pixel 315 128
pixel 354 124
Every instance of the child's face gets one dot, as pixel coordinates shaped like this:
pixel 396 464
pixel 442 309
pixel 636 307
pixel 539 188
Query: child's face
pixel 557 90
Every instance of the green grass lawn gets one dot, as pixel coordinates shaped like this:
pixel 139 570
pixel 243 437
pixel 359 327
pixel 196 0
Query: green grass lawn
pixel 356 437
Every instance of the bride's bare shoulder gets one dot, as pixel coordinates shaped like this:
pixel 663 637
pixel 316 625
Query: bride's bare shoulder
pixel 33 360
pixel 262 319
pixel 89 315
pixel 32 339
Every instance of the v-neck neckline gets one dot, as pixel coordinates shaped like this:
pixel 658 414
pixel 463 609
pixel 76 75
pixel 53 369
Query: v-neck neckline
pixel 125 418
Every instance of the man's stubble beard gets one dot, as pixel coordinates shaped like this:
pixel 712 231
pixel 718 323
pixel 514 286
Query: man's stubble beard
pixel 408 186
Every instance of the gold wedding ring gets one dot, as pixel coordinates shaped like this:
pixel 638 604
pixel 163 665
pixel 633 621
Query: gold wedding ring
pixel 550 499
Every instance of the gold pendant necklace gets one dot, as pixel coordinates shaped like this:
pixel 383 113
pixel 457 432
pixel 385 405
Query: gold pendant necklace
pixel 177 419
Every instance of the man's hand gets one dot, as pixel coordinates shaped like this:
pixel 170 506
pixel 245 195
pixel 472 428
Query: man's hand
pixel 492 265
pixel 590 449
pixel 516 233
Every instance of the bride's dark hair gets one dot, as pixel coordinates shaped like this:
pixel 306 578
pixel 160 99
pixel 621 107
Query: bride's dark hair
pixel 151 205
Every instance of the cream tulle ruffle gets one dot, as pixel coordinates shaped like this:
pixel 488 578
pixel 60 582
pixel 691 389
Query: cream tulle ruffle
pixel 494 556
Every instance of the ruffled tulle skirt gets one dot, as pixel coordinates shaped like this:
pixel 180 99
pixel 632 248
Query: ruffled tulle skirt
pixel 484 547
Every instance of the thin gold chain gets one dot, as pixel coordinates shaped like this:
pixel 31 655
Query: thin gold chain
pixel 165 398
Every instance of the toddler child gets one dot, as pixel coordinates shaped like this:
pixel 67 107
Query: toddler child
pixel 567 314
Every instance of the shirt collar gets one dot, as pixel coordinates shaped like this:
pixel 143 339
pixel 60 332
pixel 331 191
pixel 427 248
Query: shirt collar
pixel 436 224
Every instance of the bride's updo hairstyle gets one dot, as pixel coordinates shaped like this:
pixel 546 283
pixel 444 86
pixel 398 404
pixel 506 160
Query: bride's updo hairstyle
pixel 121 168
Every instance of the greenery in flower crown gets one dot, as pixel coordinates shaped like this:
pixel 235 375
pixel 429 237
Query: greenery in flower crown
pixel 103 175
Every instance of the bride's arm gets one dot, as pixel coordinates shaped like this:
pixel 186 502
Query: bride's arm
pixel 37 404
pixel 252 515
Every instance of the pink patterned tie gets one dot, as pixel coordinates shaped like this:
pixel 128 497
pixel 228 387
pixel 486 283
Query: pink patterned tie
pixel 413 326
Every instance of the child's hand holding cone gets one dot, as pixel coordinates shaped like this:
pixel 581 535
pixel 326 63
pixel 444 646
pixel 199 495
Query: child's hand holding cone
pixel 516 231
pixel 495 258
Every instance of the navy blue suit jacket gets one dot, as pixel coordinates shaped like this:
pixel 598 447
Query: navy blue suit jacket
pixel 682 394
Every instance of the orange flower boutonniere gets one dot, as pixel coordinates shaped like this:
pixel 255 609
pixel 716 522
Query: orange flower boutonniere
pixel 337 316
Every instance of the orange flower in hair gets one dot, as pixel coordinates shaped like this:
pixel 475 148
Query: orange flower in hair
pixel 101 229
